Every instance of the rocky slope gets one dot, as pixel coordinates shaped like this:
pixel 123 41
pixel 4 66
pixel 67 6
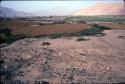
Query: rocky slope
pixel 8 12
pixel 65 60
pixel 103 9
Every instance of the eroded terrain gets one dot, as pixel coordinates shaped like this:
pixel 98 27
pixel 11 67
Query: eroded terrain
pixel 66 60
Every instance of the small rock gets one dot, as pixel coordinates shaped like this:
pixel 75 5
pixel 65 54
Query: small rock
pixel 108 68
pixel 82 39
pixel 82 54
pixel 44 82
pixel 28 56
pixel 46 43
pixel 121 37
pixel 3 45
pixel 5 67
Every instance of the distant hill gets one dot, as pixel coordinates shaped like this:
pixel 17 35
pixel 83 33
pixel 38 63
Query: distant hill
pixel 103 9
pixel 8 12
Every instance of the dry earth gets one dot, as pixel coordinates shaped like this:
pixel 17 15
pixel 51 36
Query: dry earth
pixel 65 60
pixel 36 28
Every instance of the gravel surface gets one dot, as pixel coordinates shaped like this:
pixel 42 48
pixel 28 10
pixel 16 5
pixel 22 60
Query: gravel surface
pixel 100 59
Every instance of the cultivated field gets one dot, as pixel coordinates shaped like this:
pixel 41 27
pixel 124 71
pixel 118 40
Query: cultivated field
pixel 34 29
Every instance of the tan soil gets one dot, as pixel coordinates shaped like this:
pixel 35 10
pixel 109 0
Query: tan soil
pixel 67 61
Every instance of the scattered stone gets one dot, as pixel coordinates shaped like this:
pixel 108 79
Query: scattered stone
pixel 44 82
pixel 67 62
pixel 98 35
pixel 5 67
pixel 41 82
pixel 68 38
pixel 122 37
pixel 46 43
pixel 3 45
pixel 108 68
pixel 82 54
pixel 82 39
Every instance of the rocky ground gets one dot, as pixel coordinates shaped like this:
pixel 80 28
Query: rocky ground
pixel 67 60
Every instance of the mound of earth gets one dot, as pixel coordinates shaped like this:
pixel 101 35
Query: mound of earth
pixel 65 60
pixel 103 9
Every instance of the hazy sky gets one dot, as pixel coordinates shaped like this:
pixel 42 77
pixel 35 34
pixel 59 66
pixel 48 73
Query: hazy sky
pixel 35 6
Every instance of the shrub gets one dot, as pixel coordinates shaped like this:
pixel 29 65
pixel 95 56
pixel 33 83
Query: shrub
pixel 5 31
pixel 101 27
pixel 3 38
pixel 4 34
pixel 104 27
pixel 7 37
pixel 87 32
pixel 81 21
pixel 14 38
pixel 58 35
pixel 95 25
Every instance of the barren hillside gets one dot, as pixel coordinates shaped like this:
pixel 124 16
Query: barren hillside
pixel 103 9
pixel 8 12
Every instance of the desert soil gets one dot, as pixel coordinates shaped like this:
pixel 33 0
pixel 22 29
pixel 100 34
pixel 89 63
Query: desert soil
pixel 66 61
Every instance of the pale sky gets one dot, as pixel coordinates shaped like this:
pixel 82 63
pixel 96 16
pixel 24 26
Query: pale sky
pixel 35 6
